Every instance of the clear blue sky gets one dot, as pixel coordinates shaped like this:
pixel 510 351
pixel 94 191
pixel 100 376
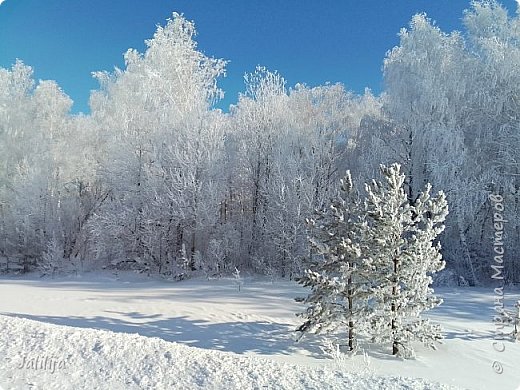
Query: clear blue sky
pixel 307 41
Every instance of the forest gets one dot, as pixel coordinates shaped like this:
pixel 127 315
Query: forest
pixel 157 180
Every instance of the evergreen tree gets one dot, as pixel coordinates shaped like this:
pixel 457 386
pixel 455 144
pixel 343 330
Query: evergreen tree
pixel 371 269
pixel 339 276
pixel 402 250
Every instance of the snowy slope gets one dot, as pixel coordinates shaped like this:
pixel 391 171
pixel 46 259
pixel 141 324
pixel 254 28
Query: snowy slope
pixel 95 359
pixel 213 316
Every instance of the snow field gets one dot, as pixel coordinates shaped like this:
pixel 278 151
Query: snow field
pixel 128 331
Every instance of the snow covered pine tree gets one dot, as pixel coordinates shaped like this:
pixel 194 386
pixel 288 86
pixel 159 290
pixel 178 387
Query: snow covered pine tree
pixel 402 250
pixel 338 276
pixel 372 264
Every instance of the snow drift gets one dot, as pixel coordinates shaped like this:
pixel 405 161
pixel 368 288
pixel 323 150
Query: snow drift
pixel 59 357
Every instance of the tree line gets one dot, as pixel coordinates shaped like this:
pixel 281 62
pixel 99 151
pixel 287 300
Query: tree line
pixel 157 180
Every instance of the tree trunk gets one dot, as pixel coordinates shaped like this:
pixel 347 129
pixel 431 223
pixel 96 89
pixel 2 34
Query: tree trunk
pixel 395 345
pixel 351 322
pixel 464 246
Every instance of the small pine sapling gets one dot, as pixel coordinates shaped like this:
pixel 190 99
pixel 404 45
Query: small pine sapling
pixel 238 279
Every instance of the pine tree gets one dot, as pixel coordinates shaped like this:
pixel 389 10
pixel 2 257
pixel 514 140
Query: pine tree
pixel 338 275
pixel 372 264
pixel 402 250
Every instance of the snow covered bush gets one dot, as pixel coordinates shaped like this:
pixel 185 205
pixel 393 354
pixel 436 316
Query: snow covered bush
pixel 52 259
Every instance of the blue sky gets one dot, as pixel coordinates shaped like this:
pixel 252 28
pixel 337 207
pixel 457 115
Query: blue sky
pixel 307 41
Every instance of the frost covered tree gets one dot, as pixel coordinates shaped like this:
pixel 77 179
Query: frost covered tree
pixel 257 131
pixel 161 149
pixel 492 128
pixel 339 275
pixel 451 98
pixel 373 264
pixel 402 249
pixel 284 156
pixel 34 203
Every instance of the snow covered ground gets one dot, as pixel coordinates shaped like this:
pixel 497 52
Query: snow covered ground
pixel 207 334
